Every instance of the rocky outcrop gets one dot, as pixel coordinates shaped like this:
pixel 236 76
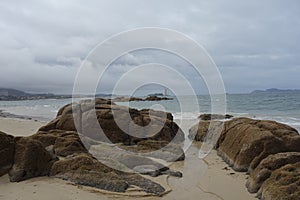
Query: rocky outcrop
pixel 247 141
pixel 268 150
pixel 124 159
pixel 284 183
pixel 61 154
pixel 162 129
pixel 61 143
pixel 7 147
pixel 266 167
pixel 126 99
pixel 31 159
pixel 83 169
pixel 79 153
pixel 200 131
pixel 214 116
pixel 148 98
pixel 156 98
pixel 163 150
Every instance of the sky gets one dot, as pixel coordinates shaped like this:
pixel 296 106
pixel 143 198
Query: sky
pixel 255 44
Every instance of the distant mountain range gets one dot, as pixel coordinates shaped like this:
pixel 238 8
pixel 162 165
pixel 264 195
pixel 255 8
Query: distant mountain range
pixel 8 94
pixel 275 90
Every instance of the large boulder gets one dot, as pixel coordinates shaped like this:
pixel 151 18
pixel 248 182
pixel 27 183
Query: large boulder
pixel 268 150
pixel 31 159
pixel 7 148
pixel 264 170
pixel 200 131
pixel 36 156
pixel 89 114
pixel 246 141
pixel 83 169
pixel 113 160
pixel 161 129
pixel 63 143
pixel 283 184
pixel 169 152
pixel 124 159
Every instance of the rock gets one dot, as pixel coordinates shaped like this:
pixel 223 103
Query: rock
pixel 163 150
pixel 268 150
pixel 246 141
pixel 169 152
pixel 283 184
pixel 126 99
pixel 199 131
pixel 172 173
pixel 149 98
pixel 31 159
pixel 264 170
pixel 153 171
pixel 84 170
pixel 150 170
pixel 7 146
pixel 214 116
pixel 66 122
pixel 156 98
pixel 64 142
pixel 132 160
pixel 63 148
pixel 47 138
pixel 50 126
pixel 126 158
pixel 160 130
pixel 88 120
pixel 68 144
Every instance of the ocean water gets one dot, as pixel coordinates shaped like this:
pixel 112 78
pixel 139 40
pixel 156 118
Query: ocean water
pixel 281 107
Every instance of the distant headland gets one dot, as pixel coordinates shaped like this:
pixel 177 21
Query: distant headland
pixel 275 90
pixel 8 94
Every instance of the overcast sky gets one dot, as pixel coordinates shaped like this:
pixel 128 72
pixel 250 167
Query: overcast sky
pixel 255 44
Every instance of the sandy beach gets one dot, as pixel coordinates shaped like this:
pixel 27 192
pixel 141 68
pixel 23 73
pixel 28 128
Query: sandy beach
pixel 210 178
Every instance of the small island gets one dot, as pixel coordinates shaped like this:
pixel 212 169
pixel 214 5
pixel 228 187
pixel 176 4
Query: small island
pixel 148 98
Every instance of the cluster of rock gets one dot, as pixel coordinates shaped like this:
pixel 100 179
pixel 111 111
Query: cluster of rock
pixel 214 116
pixel 60 150
pixel 148 98
pixel 269 151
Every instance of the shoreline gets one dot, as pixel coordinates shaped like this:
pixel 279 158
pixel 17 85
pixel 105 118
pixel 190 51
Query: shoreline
pixel 201 178
pixel 293 123
pixel 6 114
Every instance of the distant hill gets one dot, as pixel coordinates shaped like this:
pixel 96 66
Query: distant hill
pixel 11 92
pixel 275 90
pixel 8 94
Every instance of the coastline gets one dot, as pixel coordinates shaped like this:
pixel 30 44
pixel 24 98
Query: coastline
pixel 209 179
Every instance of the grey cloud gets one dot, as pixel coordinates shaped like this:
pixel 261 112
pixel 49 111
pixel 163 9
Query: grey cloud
pixel 253 42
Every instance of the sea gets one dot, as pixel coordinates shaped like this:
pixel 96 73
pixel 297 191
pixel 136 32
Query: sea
pixel 282 107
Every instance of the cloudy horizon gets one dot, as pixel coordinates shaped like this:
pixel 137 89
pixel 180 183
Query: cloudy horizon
pixel 253 43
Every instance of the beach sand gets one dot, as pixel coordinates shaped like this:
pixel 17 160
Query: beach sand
pixel 206 179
